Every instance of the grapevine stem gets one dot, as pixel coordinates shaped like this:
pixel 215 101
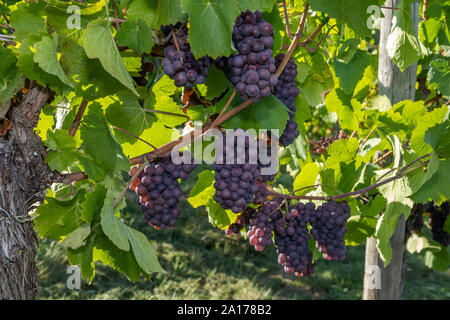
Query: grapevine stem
pixel 127 186
pixel 116 23
pixel 76 122
pixel 288 28
pixel 177 45
pixel 401 174
pixel 366 138
pixel 218 119
pixel 387 154
pixel 132 135
pixel 168 113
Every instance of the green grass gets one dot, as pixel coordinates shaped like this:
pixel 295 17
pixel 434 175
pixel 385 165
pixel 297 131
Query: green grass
pixel 202 263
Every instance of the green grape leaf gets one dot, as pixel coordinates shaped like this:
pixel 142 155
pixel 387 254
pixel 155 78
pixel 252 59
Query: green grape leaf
pixel 348 110
pixel 158 135
pixel 55 219
pixel 122 261
pixel 145 10
pixel 77 238
pixel 417 243
pixel 98 42
pixel 352 72
pixel 342 151
pixel 93 204
pixel 353 13
pixel 269 113
pixel 255 5
pixel 8 88
pixel 306 178
pixel 439 76
pixel 47 58
pixel 217 216
pixel 136 36
pixel 92 81
pixel 438 260
pixel 127 114
pixel 28 18
pixel 96 136
pixel 45 123
pixel 63 147
pixel 424 122
pixel 211 25
pixel 143 252
pixel 216 83
pixel 436 183
pixel 32 71
pixel 403 46
pixel 438 138
pixel 169 12
pixel 83 256
pixel 429 30
pixel 359 229
pixel 396 194
pixel 112 225
pixel 203 191
pixel 162 100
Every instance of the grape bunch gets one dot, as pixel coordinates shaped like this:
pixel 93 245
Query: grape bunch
pixel 179 62
pixel 291 239
pixel 159 191
pixel 438 217
pixel 286 92
pixel 324 142
pixel 261 226
pixel 241 221
pixel 235 175
pixel 252 71
pixel 328 229
pixel 414 223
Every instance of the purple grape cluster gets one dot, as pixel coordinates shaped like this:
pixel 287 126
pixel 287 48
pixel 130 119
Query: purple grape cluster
pixel 261 226
pixel 159 191
pixel 325 142
pixel 181 66
pixel 252 71
pixel 328 228
pixel 235 175
pixel 291 239
pixel 286 91
pixel 438 217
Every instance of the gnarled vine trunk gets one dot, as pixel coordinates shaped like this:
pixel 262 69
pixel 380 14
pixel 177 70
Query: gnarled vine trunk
pixel 24 176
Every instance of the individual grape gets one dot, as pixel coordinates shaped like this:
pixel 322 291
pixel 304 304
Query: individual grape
pixel 328 229
pixel 159 191
pixel 181 65
pixel 253 38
